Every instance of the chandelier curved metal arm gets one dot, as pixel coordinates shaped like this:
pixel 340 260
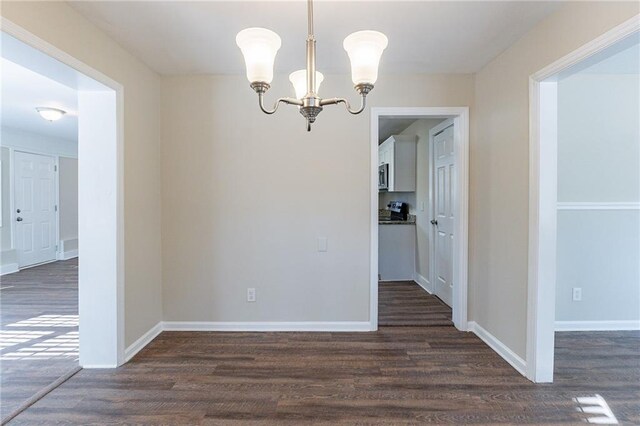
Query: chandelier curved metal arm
pixel 261 91
pixel 259 47
pixel 362 89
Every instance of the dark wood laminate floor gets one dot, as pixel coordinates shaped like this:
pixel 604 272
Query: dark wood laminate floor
pixel 405 303
pixel 38 329
pixel 397 375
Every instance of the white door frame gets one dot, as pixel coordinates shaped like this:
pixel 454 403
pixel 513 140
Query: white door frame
pixel 460 116
pixel 543 180
pixel 101 198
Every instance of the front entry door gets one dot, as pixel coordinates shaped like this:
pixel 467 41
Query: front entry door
pixel 35 212
pixel 444 174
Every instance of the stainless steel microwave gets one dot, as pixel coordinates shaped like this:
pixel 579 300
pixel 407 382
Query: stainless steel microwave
pixel 383 177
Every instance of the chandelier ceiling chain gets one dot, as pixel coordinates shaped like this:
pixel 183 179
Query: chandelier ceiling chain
pixel 259 47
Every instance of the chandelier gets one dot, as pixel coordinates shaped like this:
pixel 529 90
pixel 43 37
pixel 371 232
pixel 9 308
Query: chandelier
pixel 259 47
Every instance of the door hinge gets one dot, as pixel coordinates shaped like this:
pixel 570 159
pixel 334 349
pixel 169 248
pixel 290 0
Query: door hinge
pixel 55 168
pixel 56 207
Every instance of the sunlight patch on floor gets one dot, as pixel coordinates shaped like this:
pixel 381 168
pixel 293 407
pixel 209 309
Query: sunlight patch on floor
pixel 48 321
pixel 10 338
pixel 598 409
pixel 65 345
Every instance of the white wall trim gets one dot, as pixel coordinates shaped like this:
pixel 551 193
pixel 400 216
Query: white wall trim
pixel 598 206
pixel 500 348
pixel 423 282
pixel 460 117
pixel 97 366
pixel 143 341
pixel 101 341
pixel 9 268
pixel 224 326
pixel 338 326
pixel 66 255
pixel 622 325
pixel 543 203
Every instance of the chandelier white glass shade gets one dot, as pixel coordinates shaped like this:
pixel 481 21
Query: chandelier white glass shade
pixel 299 81
pixel 365 49
pixel 259 47
pixel 50 114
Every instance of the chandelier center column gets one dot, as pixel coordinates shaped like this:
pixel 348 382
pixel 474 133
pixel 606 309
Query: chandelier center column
pixel 311 53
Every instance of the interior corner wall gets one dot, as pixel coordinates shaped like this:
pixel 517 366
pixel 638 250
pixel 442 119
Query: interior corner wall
pixel 246 196
pixel 60 25
pixel 598 166
pixel 499 164
pixel 68 202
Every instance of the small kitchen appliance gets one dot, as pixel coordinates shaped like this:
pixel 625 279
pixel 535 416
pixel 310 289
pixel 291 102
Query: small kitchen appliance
pixel 398 210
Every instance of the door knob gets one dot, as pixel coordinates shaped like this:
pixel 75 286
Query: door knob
pixel 19 219
pixel 434 222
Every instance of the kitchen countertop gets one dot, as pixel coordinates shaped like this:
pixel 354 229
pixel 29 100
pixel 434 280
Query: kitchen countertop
pixel 411 220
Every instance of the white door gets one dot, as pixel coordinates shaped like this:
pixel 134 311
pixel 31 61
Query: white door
pixel 443 180
pixel 34 183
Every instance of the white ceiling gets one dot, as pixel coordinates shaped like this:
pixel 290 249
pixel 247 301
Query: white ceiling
pixel 183 37
pixel 388 126
pixel 23 90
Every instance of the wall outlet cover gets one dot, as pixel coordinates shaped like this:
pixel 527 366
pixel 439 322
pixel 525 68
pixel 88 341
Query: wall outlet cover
pixel 322 244
pixel 251 295
pixel 577 294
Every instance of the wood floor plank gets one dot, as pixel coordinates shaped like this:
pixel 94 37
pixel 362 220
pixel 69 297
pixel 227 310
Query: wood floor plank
pixel 405 303
pixel 38 308
pixel 399 375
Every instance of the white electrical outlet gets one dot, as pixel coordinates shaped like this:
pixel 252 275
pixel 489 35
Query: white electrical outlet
pixel 322 244
pixel 577 294
pixel 422 206
pixel 251 295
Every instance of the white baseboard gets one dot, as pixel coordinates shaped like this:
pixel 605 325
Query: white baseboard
pixel 9 268
pixel 66 255
pixel 99 366
pixel 266 326
pixel 143 341
pixel 423 282
pixel 500 348
pixel 392 280
pixel 597 325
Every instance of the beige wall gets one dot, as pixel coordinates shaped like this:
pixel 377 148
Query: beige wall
pixel 246 195
pixel 243 198
pixel 499 164
pixel 62 26
pixel 68 198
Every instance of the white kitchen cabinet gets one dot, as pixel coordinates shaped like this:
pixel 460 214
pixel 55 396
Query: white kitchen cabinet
pixel 396 252
pixel 399 152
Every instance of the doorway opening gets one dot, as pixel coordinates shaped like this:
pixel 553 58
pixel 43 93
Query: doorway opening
pixel 62 264
pixel 417 153
pixel 584 281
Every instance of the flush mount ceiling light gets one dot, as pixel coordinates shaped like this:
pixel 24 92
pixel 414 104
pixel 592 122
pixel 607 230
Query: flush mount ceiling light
pixel 50 114
pixel 259 47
